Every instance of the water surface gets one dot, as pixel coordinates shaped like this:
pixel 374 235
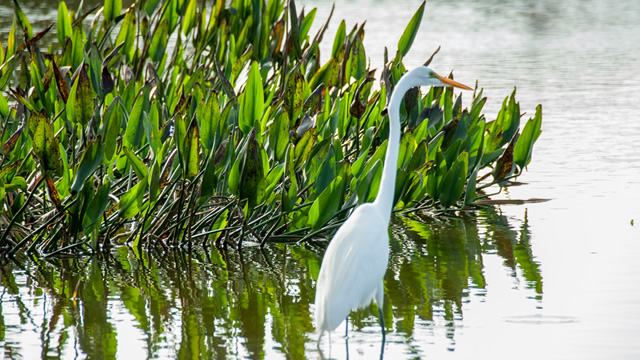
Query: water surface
pixel 548 280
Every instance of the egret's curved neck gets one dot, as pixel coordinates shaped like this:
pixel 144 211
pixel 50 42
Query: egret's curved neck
pixel 386 192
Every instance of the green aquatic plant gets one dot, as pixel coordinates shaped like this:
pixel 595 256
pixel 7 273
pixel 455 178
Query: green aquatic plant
pixel 170 123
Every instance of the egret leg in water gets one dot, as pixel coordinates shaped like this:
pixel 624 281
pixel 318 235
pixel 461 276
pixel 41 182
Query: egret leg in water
pixel 353 267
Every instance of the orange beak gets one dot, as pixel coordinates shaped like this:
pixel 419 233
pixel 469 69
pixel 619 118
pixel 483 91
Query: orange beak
pixel 452 83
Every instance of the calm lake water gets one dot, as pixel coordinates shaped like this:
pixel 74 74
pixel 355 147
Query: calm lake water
pixel 559 279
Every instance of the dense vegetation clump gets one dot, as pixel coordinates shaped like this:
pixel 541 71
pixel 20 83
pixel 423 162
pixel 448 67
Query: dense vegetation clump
pixel 172 123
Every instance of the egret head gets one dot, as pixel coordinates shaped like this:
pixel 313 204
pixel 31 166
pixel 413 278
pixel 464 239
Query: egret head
pixel 427 77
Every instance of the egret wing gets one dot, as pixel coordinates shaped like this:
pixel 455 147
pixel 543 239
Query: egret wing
pixel 353 266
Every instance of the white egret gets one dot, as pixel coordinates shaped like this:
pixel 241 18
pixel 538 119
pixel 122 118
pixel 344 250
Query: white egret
pixel 354 264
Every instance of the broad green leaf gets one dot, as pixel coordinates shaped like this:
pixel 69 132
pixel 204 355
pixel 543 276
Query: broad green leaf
pixel 45 145
pixel 303 147
pixel 110 129
pixel 511 119
pixel 436 174
pixel 131 202
pixel 470 188
pixel 64 185
pixel 474 143
pixel 409 34
pixel 279 135
pixel 8 69
pixel 295 29
pixel 138 165
pixel 159 42
pixel 338 41
pixel 234 176
pixel 179 135
pixel 80 106
pixel 38 84
pixel 252 101
pixel 150 6
pixel 290 196
pixel 63 26
pixel 152 132
pixel 505 166
pixel 209 116
pixel 418 157
pixel 135 128
pixel 77 50
pixel 189 17
pixel 11 43
pixel 192 150
pixel 251 185
pixel 369 186
pixel 52 191
pixel 327 204
pixel 305 26
pixel 90 161
pixel 220 223
pixel 4 104
pixel 407 147
pixel 209 180
pixel 5 171
pixel 273 179
pixel 327 74
pixel 452 185
pixel 524 145
pixel 154 182
pixel 326 172
pixel 23 22
pixel 8 145
pixel 97 206
pixel 127 34
pixel 358 59
pixel 294 94
pixel 378 155
pixel 240 64
pixel 111 9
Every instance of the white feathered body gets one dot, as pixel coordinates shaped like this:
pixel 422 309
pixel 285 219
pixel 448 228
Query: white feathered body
pixel 352 271
pixel 359 282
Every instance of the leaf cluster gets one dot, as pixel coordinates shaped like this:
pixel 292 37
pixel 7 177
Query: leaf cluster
pixel 171 123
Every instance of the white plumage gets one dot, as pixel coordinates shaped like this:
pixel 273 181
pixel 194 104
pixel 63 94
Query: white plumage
pixel 353 267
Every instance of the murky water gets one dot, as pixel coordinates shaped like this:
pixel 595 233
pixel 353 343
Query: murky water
pixel 549 280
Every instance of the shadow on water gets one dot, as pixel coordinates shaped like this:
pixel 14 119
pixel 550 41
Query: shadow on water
pixel 212 304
